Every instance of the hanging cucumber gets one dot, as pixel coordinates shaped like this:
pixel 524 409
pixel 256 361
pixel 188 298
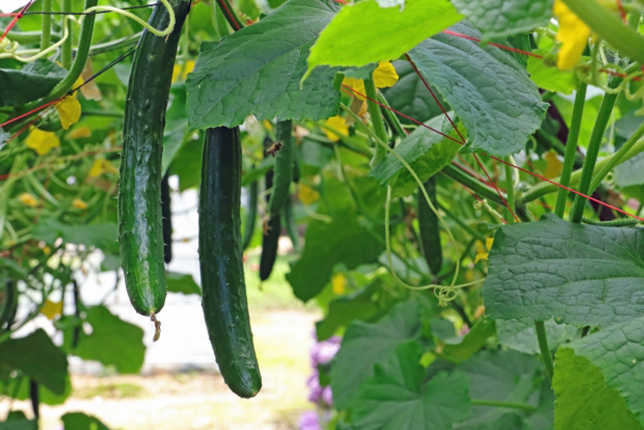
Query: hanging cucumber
pixel 251 214
pixel 291 226
pixel 272 227
pixel 428 225
pixel 166 221
pixel 139 203
pixel 283 167
pixel 220 255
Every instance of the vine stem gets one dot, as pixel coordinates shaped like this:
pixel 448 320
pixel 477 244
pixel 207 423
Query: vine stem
pixel 502 405
pixel 571 147
pixel 472 183
pixel 609 27
pixel 376 120
pixel 66 52
pixel 540 328
pixel 603 116
pixel 230 14
pixel 509 187
pixel 46 25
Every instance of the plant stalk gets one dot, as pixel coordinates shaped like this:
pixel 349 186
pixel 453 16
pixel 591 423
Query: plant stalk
pixel 376 120
pixel 46 25
pixel 66 50
pixel 540 328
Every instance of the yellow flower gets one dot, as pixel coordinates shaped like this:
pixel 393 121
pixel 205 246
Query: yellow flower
pixel 187 68
pixel 339 124
pixel 69 111
pixel 42 141
pixel 79 204
pixel 46 250
pixel 480 311
pixel 573 34
pixel 268 125
pixel 481 253
pixel 52 309
pixel 338 284
pixel 80 132
pixel 100 166
pixel 307 194
pixel 384 76
pixel 28 200
pixel 554 167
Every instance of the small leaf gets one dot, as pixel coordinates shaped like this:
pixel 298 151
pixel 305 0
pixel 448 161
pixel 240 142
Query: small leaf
pixel 35 80
pixel 550 77
pixel 471 343
pixel 520 335
pixel 182 283
pixel 81 421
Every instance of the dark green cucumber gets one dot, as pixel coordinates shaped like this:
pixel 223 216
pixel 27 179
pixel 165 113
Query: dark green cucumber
pixel 139 203
pixel 291 226
pixel 270 239
pixel 430 239
pixel 220 256
pixel 283 168
pixel 251 214
pixel 166 221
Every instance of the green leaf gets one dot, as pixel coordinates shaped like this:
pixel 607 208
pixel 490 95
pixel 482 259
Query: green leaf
pixel 19 425
pixel 497 420
pixel 426 151
pixel 175 127
pixel 630 172
pixel 102 236
pixel 410 96
pixel 365 304
pixel 500 18
pixel 582 274
pixel 37 357
pixel 611 365
pixel 365 345
pixel 471 343
pixel 187 164
pixel 550 77
pixel 584 400
pixel 181 283
pixel 80 421
pixel 344 240
pixel 112 342
pixel 521 336
pixel 355 36
pixel 489 91
pixel 258 70
pixel 34 81
pixel 396 397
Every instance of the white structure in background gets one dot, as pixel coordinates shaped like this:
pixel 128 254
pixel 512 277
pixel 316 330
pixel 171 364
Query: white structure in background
pixel 7 6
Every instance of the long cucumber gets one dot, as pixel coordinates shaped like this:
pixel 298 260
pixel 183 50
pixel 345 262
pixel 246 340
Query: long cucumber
pixel 251 214
pixel 166 213
pixel 220 256
pixel 283 168
pixel 428 226
pixel 139 202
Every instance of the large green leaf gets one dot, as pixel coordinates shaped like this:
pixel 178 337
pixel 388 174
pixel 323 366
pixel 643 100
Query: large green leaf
pixel 37 357
pixel 344 240
pixel 520 335
pixel 112 342
pixel 80 421
pixel 410 96
pixel 582 274
pixel 489 91
pixel 584 400
pixel 426 151
pixel 34 81
pixel 611 364
pixel 365 345
pixel 366 33
pixel 258 70
pixel 19 425
pixel 396 397
pixel 500 18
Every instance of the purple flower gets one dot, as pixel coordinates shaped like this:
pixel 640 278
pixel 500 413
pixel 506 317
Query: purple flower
pixel 323 352
pixel 315 391
pixel 309 420
pixel 327 395
pixel 464 330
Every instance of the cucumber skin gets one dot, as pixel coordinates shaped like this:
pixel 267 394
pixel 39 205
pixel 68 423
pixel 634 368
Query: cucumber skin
pixel 220 256
pixel 251 216
pixel 291 226
pixel 270 240
pixel 166 213
pixel 429 228
pixel 139 203
pixel 283 168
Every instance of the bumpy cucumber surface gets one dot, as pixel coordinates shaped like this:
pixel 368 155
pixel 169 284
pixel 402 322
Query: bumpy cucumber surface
pixel 251 214
pixel 166 213
pixel 428 225
pixel 283 168
pixel 270 239
pixel 139 203
pixel 220 256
